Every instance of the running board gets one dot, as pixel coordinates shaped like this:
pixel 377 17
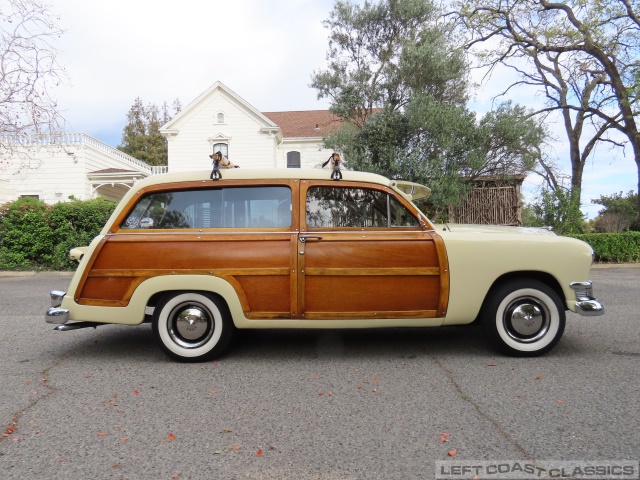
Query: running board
pixel 76 325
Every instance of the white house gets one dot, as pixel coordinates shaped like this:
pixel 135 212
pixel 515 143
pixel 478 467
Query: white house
pixel 55 167
pixel 221 120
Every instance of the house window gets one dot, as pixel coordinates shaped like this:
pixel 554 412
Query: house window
pixel 221 147
pixel 37 197
pixel 293 159
pixel 220 117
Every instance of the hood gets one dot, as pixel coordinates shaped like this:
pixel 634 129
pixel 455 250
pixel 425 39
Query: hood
pixel 459 227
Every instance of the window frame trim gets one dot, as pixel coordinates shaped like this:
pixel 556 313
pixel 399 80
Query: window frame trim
pixel 114 226
pixel 308 184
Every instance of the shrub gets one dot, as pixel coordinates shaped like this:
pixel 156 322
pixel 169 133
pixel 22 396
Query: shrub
pixel 613 247
pixel 34 235
pixel 26 236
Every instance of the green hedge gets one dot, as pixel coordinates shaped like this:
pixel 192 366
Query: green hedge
pixel 613 247
pixel 36 236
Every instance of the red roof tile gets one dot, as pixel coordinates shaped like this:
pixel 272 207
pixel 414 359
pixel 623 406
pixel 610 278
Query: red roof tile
pixel 307 123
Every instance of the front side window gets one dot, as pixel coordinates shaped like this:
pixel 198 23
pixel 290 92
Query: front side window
pixel 230 207
pixel 347 207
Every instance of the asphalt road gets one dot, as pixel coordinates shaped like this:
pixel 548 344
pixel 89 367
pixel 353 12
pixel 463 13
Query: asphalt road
pixel 107 403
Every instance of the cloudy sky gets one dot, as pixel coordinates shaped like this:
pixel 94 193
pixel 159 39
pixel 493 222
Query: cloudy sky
pixel 117 50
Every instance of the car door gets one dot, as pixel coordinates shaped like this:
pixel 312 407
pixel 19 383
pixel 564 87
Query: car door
pixel 363 253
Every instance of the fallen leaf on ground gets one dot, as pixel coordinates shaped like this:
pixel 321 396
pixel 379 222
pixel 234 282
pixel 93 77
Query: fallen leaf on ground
pixel 235 447
pixel 171 436
pixel 539 377
pixel 213 392
pixel 376 379
pixel 559 401
pixel 443 439
pixel 259 453
pixel 101 434
pixel 136 392
pixel 124 439
pixel 452 453
pixel 491 364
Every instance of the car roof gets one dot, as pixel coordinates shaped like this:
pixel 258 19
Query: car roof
pixel 258 174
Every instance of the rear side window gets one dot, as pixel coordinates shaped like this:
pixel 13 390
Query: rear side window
pixel 230 207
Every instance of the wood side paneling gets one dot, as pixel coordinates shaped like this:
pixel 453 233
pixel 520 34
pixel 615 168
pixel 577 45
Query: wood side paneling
pixel 355 294
pixel 259 268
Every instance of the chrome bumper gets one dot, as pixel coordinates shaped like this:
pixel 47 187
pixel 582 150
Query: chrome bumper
pixel 586 304
pixel 55 314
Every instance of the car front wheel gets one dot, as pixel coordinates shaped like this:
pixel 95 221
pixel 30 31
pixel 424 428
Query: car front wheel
pixel 192 326
pixel 524 318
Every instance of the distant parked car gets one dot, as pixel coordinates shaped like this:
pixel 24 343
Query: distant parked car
pixel 297 249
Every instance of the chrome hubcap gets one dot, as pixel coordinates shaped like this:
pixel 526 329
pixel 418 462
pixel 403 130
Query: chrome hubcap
pixel 526 320
pixel 190 325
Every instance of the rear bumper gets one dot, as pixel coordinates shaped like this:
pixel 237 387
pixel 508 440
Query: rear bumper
pixel 586 304
pixel 55 314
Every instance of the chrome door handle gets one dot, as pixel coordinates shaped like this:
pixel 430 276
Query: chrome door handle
pixel 310 237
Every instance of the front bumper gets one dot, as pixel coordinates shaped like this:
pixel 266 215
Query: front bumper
pixel 586 304
pixel 56 315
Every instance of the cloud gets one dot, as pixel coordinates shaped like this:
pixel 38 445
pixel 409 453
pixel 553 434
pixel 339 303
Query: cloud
pixel 119 50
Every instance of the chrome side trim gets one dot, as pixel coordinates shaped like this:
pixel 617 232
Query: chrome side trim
pixel 56 297
pixel 57 315
pixel 586 303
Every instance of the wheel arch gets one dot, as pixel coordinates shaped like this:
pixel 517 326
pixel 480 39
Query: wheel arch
pixel 157 297
pixel 151 291
pixel 542 277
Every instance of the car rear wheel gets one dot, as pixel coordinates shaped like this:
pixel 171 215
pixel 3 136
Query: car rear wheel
pixel 523 318
pixel 191 326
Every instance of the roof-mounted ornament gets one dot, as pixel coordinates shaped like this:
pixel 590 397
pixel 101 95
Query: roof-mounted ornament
pixel 335 161
pixel 219 161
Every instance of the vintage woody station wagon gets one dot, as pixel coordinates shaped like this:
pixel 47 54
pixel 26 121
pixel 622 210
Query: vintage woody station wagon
pixel 200 257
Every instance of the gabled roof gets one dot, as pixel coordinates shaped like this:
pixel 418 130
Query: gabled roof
pixel 218 86
pixel 308 123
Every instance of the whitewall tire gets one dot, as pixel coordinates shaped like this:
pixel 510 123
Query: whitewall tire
pixel 523 318
pixel 192 326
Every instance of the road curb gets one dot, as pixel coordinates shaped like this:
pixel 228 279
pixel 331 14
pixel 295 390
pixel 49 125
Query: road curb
pixel 615 265
pixel 10 274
